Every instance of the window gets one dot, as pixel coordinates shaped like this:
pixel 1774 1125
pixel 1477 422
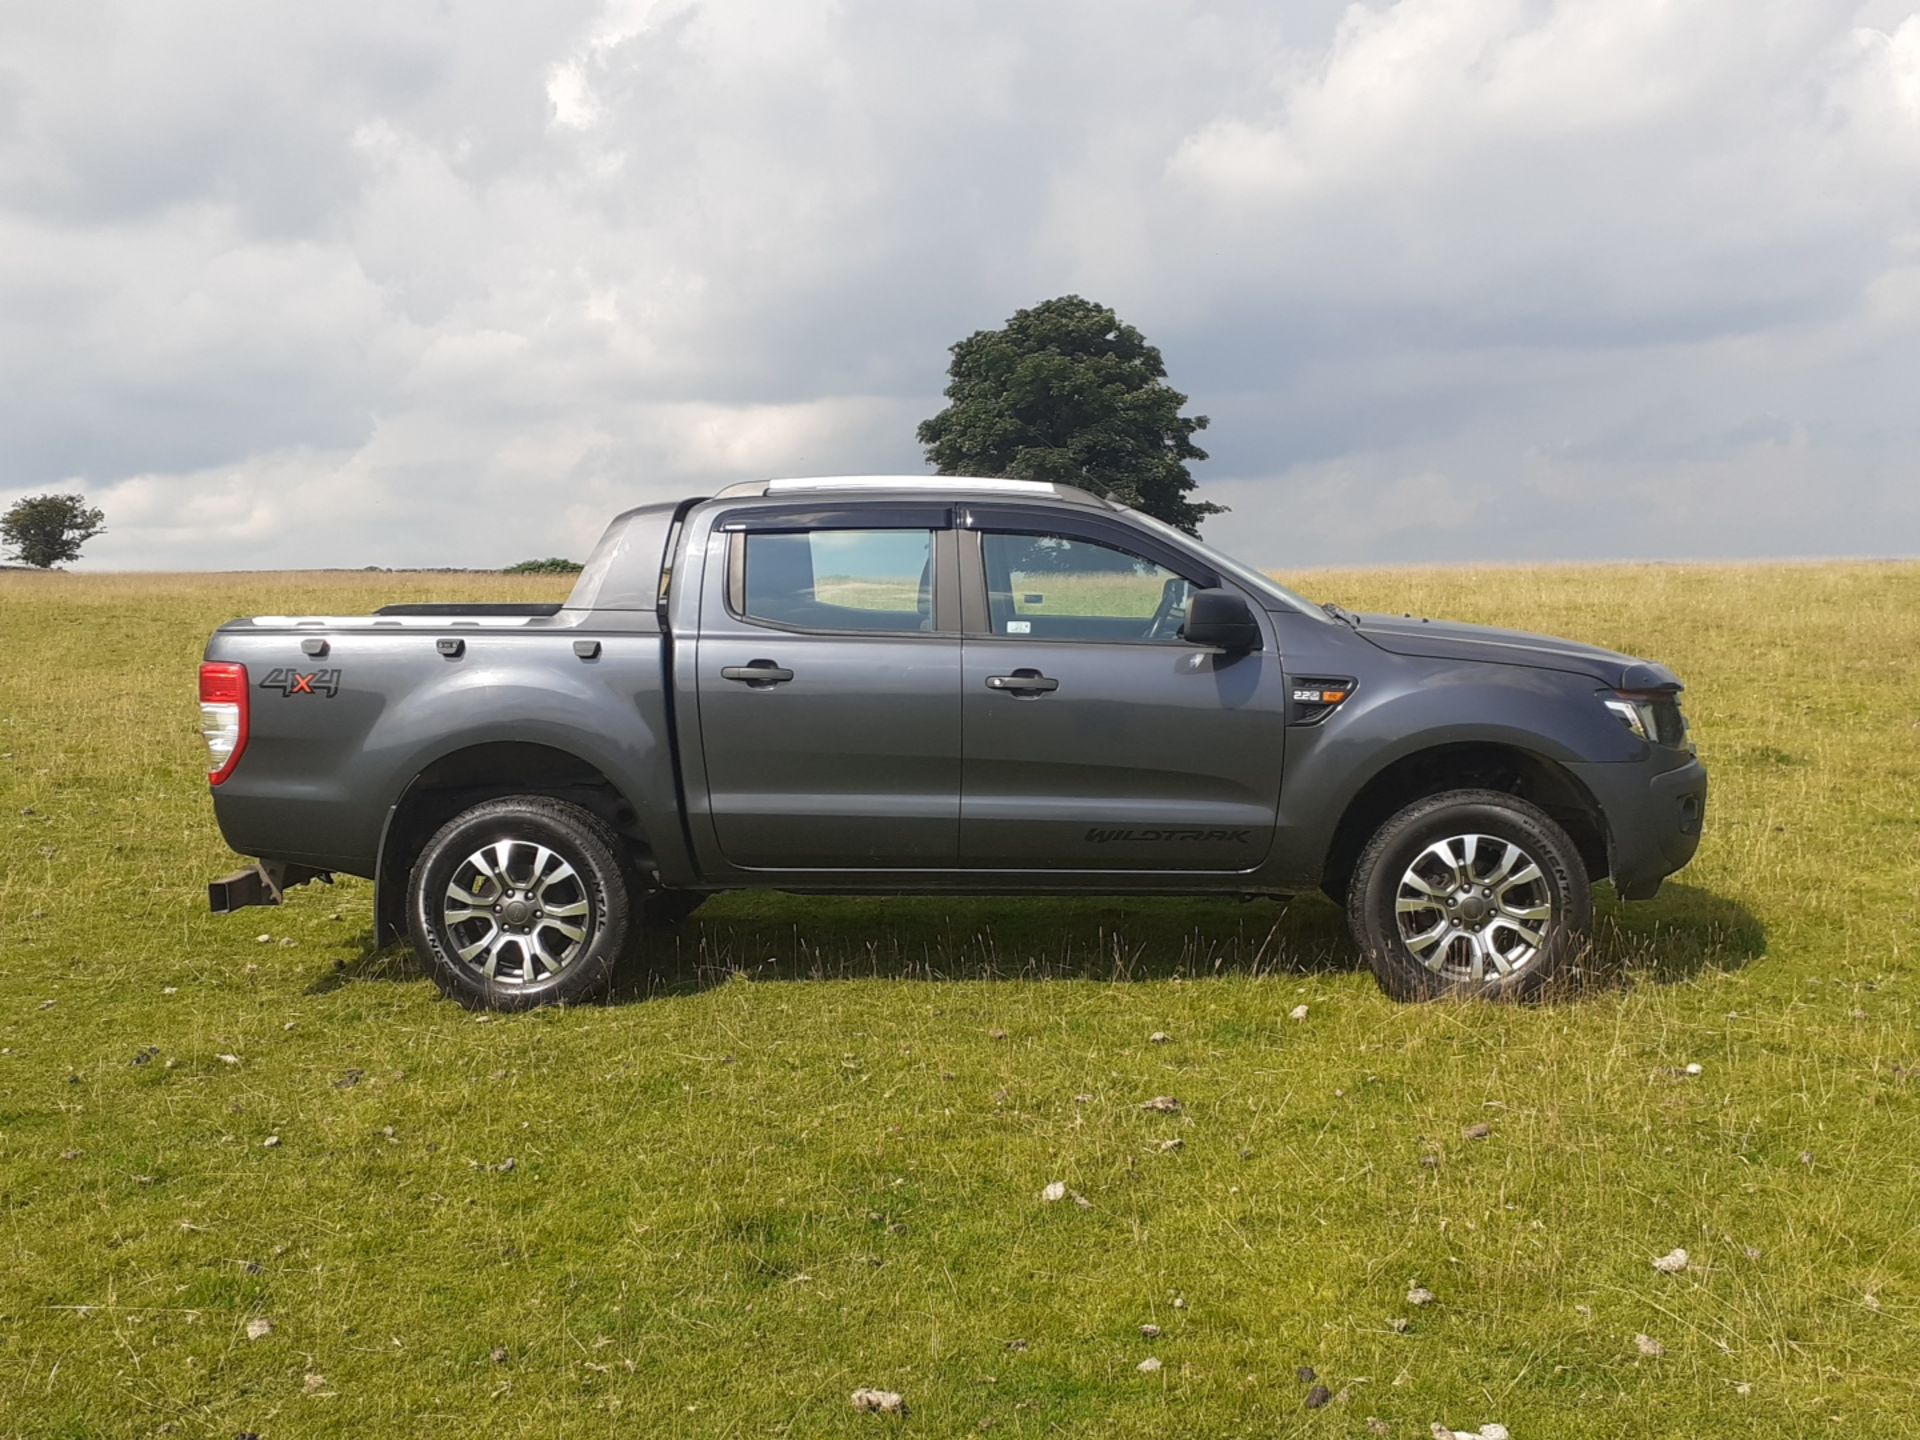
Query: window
pixel 1051 587
pixel 838 579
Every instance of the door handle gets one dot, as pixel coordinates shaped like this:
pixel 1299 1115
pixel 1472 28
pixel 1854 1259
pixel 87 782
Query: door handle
pixel 758 673
pixel 1023 682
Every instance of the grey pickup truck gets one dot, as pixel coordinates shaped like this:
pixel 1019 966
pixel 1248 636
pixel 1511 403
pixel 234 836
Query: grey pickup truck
pixel 925 685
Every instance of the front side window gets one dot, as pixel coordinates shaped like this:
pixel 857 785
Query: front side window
pixel 838 579
pixel 1054 587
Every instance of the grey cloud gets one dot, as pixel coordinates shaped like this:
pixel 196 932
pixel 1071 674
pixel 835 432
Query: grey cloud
pixel 1457 279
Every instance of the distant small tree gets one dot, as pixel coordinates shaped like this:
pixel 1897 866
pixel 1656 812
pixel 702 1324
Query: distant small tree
pixel 552 565
pixel 1066 392
pixel 48 530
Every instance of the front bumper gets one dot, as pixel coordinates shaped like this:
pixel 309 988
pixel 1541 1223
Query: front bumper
pixel 1654 817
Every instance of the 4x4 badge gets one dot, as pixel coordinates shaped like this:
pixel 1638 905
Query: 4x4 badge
pixel 293 682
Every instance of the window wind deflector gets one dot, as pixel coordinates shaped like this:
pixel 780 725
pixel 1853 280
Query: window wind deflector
pixel 909 515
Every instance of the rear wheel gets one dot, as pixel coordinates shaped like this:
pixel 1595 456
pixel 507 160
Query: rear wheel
pixel 519 902
pixel 1471 892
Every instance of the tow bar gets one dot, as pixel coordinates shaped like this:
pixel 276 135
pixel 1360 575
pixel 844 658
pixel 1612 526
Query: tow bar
pixel 265 884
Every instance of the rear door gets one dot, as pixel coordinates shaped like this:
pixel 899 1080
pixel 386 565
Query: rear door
pixel 1095 737
pixel 828 673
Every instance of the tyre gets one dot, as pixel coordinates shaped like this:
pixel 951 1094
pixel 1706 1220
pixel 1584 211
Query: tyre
pixel 662 909
pixel 520 901
pixel 1470 893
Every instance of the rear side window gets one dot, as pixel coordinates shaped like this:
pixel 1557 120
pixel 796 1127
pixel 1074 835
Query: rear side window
pixel 838 580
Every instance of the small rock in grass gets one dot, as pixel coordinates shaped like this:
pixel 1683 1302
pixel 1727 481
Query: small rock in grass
pixel 1696 1068
pixel 70 1154
pixel 1399 1324
pixel 1377 1426
pixel 1649 1346
pixel 1318 1396
pixel 228 1059
pixel 263 939
pixel 1018 1347
pixel 1299 1012
pixel 1159 1037
pixel 1161 1105
pixel 1306 1375
pixel 259 1328
pixel 313 1384
pixel 1419 1295
pixel 1477 1132
pixel 1743 1389
pixel 499 1356
pixel 1148 1365
pixel 47 1004
pixel 169 989
pixel 1054 1192
pixel 272 1142
pixel 879 1402
pixel 506 1166
pixel 1150 1331
pixel 996 1034
pixel 1179 1302
pixel 1671 1263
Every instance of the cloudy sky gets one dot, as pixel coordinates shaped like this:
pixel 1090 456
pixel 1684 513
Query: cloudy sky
pixel 447 283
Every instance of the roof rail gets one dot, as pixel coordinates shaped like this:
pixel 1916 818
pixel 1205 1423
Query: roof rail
pixel 910 482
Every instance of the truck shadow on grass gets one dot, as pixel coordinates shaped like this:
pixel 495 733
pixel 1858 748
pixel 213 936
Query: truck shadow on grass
pixel 1683 932
pixel 769 936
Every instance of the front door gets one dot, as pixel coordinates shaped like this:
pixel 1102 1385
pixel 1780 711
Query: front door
pixel 1095 737
pixel 828 682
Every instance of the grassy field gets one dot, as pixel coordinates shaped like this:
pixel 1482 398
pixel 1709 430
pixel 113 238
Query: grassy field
pixel 255 1179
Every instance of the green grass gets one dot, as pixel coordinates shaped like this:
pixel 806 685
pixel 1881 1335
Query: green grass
pixel 806 1154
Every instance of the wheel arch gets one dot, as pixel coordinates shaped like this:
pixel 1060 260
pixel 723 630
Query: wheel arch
pixel 1466 764
pixel 464 777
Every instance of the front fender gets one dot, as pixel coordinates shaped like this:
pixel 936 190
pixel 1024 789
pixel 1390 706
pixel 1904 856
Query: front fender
pixel 1426 705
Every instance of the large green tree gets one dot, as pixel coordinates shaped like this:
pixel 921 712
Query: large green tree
pixel 1065 392
pixel 48 530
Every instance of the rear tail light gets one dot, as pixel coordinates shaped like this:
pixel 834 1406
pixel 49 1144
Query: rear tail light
pixel 223 717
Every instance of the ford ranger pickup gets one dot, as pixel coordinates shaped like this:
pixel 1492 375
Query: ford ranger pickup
pixel 935 684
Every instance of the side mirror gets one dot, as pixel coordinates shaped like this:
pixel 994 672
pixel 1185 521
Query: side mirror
pixel 1220 619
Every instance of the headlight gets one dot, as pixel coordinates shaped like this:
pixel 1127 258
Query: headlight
pixel 1653 716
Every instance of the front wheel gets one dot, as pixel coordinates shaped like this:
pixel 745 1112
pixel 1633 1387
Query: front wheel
pixel 1471 892
pixel 519 902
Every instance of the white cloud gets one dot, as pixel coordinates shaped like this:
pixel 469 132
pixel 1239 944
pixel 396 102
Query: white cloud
pixel 303 284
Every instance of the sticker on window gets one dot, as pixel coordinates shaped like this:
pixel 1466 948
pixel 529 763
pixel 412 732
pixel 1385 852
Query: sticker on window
pixel 1019 627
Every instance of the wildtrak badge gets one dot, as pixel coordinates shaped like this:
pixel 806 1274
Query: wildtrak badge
pixel 1101 836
